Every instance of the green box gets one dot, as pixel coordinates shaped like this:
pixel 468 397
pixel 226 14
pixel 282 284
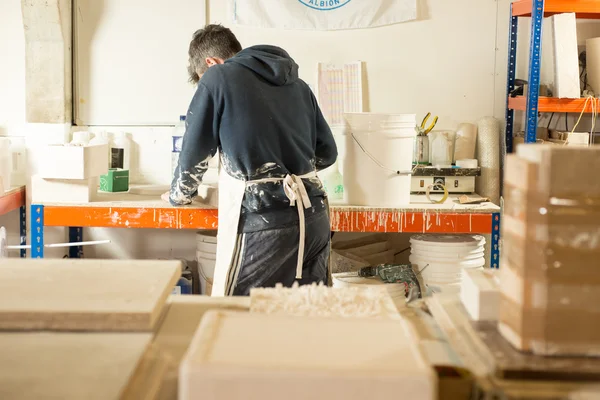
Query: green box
pixel 117 180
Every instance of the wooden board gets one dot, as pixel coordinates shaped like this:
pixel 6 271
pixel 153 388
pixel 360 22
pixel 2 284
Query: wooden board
pixel 256 356
pixel 487 353
pixel 176 330
pixel 68 366
pixel 84 295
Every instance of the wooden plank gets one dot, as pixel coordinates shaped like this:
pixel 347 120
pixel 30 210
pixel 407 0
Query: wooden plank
pixel 488 354
pixel 12 199
pixel 84 295
pixel 68 366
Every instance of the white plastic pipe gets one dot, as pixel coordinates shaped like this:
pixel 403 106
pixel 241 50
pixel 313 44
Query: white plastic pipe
pixel 73 244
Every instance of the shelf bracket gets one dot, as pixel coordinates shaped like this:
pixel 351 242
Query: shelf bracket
pixel 75 236
pixel 23 229
pixel 495 250
pixel 535 55
pixel 510 84
pixel 37 231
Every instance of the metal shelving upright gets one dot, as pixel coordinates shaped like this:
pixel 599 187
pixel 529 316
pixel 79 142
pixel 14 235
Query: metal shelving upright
pixel 532 103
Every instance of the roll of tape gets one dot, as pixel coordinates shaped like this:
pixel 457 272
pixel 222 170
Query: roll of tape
pixel 466 163
pixel 444 197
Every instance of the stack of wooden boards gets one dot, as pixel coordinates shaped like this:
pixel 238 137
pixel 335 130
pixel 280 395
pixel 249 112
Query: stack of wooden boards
pixel 82 329
pixel 546 303
pixel 550 285
pixel 282 353
pixel 69 173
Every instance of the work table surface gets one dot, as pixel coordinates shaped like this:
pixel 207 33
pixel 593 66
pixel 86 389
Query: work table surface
pixel 142 207
pixel 149 197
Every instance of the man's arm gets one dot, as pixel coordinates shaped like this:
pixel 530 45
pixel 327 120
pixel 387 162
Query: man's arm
pixel 326 149
pixel 199 145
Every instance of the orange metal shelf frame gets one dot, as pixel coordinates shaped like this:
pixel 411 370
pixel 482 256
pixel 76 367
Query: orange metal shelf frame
pixel 552 104
pixel 129 217
pixel 587 9
pixel 12 200
pixel 410 222
pixel 341 220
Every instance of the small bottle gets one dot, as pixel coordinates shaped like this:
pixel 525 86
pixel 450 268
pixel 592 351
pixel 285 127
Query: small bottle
pixel 120 152
pixel 333 182
pixel 101 138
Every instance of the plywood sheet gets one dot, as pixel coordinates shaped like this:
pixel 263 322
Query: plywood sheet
pixel 253 356
pixel 68 366
pixel 487 353
pixel 84 295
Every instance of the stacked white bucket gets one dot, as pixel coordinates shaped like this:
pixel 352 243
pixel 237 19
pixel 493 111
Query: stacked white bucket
pixel 377 147
pixel 442 258
pixel 206 255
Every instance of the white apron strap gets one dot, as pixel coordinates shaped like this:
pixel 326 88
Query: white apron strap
pixel 296 192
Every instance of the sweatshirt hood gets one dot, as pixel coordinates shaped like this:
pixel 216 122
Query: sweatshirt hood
pixel 271 63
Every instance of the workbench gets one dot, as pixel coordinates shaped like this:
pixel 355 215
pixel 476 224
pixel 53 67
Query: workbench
pixel 147 210
pixel 11 200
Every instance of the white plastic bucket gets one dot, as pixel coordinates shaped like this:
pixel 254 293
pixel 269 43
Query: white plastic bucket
pixel 206 247
pixel 377 147
pixel 206 237
pixel 206 272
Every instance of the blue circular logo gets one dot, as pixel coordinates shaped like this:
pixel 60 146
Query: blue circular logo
pixel 324 5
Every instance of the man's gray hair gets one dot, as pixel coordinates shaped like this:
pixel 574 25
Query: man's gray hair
pixel 211 41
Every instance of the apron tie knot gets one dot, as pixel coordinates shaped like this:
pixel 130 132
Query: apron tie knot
pixel 295 191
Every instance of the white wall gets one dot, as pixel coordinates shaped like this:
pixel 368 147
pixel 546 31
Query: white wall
pixel 450 62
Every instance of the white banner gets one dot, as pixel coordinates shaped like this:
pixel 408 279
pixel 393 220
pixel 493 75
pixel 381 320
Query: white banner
pixel 322 14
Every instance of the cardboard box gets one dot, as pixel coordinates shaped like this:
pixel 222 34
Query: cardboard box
pixel 73 162
pixel 550 286
pixel 63 190
pixel 116 180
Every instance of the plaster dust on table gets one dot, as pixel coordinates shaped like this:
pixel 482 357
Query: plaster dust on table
pixel 322 301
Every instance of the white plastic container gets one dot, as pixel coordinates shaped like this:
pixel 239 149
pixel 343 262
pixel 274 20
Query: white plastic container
pixel 442 258
pixel 441 148
pixel 121 152
pixel 378 158
pixel 81 138
pixel 333 182
pixel 102 138
pixel 5 163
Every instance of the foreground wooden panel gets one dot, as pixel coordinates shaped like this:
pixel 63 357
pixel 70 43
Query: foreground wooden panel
pixel 84 295
pixel 252 356
pixel 69 366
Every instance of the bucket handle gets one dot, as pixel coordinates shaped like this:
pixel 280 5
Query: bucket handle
pixel 395 171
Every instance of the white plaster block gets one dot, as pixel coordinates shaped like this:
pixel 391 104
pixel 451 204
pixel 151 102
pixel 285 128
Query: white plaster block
pixel 566 56
pixel 73 162
pixel 293 358
pixel 63 190
pixel 480 294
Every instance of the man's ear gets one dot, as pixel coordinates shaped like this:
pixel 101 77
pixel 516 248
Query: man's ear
pixel 210 61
